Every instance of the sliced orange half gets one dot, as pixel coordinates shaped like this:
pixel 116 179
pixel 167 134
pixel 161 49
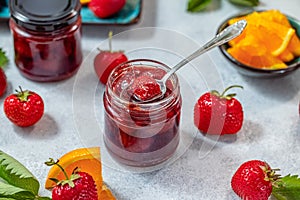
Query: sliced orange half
pixel 251 54
pixel 86 159
pixel 105 194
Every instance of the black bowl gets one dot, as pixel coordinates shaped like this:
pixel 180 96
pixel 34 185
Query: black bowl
pixel 257 72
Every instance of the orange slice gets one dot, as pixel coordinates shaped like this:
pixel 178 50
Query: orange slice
pixel 286 56
pixel 86 159
pixel 294 45
pixel 269 39
pixel 273 35
pixel 256 56
pixel 105 194
pixel 276 16
pixel 84 2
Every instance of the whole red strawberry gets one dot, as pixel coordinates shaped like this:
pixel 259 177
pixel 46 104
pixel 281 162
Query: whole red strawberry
pixel 106 8
pixel 24 108
pixel 106 61
pixel 3 82
pixel 216 113
pixel 79 186
pixel 253 180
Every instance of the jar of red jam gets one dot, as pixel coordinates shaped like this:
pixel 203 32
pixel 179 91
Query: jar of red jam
pixel 47 38
pixel 139 133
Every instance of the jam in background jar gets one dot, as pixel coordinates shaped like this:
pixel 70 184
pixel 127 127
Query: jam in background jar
pixel 135 133
pixel 47 38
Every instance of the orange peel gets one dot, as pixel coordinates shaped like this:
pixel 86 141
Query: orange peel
pixel 86 159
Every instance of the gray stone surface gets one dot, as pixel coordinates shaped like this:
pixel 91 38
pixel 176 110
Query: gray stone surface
pixel 270 132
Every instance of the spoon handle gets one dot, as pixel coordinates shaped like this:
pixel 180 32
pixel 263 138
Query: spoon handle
pixel 226 35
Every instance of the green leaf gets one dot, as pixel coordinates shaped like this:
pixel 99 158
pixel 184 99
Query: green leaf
pixel 197 5
pixel 245 2
pixel 11 192
pixel 3 58
pixel 42 198
pixel 15 174
pixel 289 188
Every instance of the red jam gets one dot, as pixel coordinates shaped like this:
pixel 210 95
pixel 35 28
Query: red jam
pixel 47 38
pixel 141 134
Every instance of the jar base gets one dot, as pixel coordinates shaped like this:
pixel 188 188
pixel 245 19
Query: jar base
pixel 37 78
pixel 148 159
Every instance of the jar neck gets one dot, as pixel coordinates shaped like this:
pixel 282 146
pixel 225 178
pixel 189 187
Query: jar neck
pixel 114 94
pixel 63 28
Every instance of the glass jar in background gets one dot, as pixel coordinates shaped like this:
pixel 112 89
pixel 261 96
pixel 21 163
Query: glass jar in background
pixel 141 134
pixel 47 38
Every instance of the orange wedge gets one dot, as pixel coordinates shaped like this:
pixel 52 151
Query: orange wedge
pixel 269 39
pixel 256 56
pixel 286 56
pixel 294 46
pixel 86 159
pixel 105 194
pixel 275 16
pixel 84 2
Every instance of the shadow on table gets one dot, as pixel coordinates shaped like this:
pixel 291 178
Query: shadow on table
pixel 281 89
pixel 45 128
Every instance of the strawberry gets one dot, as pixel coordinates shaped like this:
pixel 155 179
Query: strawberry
pixel 24 108
pixel 106 8
pixel 144 88
pixel 80 185
pixel 106 61
pixel 253 180
pixel 216 113
pixel 3 82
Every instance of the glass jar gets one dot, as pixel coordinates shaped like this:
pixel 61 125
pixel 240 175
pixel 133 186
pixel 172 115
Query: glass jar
pixel 136 133
pixel 47 38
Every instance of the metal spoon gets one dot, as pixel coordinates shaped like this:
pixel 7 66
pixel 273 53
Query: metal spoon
pixel 226 35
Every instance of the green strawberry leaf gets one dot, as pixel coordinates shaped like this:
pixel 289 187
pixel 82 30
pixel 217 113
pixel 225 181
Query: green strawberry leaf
pixel 42 198
pixel 289 188
pixel 15 174
pixel 245 2
pixel 9 192
pixel 3 58
pixel 197 5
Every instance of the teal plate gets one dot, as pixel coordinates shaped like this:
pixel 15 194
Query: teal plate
pixel 256 72
pixel 129 14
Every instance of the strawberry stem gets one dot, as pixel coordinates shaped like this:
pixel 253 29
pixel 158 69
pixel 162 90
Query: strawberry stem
pixel 230 87
pixel 110 34
pixel 51 162
pixel 22 95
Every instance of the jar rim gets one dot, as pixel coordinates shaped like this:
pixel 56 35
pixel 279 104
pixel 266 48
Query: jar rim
pixel 44 15
pixel 167 99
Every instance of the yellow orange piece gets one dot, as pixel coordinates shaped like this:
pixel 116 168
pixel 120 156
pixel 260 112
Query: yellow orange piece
pixel 83 2
pixel 286 56
pixel 267 42
pixel 105 194
pixel 276 16
pixel 294 45
pixel 252 55
pixel 86 159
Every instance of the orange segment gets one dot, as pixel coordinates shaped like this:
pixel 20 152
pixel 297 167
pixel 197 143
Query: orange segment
pixel 272 36
pixel 84 2
pixel 294 45
pixel 86 159
pixel 253 55
pixel 286 56
pixel 105 194
pixel 276 16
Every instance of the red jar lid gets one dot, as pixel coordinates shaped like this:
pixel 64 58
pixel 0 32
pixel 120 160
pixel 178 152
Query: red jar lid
pixel 44 15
